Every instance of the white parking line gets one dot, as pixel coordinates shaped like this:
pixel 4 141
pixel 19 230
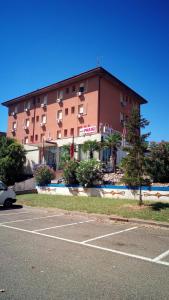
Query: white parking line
pixel 109 234
pixel 22 220
pixel 161 256
pixel 64 225
pixel 10 214
pixel 143 258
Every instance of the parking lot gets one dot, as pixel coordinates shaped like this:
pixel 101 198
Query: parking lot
pixel 54 255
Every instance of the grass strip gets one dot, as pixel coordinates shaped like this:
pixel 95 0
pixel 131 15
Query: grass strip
pixel 157 211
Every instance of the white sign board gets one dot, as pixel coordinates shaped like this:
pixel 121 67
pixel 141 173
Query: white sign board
pixel 87 130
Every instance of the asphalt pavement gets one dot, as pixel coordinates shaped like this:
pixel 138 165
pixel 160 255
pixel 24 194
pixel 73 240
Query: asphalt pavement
pixel 55 255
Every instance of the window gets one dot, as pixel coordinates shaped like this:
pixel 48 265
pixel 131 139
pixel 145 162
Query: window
pixel 72 131
pixel 37 118
pixel 2 186
pixel 67 90
pixel 14 110
pixel 59 134
pixel 59 115
pixel 73 88
pixel 82 88
pixel 36 137
pixel 122 118
pixel 33 119
pixel 80 109
pixel 27 106
pixel 78 130
pixel 14 125
pixel 66 111
pixel 26 140
pixel 38 100
pixel 65 132
pixel 45 100
pixel 42 136
pixel 27 123
pixel 60 95
pixel 31 138
pixel 43 119
pixel 72 110
pixel 123 100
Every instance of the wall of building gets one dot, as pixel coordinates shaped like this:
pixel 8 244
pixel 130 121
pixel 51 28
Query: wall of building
pixel 114 102
pixel 32 158
pixel 35 133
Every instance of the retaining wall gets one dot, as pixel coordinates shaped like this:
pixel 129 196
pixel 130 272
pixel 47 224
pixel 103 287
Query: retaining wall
pixel 106 191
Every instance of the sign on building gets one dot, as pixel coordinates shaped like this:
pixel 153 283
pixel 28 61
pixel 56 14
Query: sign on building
pixel 87 130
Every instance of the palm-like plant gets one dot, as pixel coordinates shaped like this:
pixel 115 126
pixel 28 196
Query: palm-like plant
pixel 90 146
pixel 113 142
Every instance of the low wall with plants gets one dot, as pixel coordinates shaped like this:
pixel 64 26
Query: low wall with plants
pixel 158 193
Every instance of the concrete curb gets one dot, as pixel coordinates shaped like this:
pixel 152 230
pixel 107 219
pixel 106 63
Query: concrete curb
pixel 139 221
pixel 102 217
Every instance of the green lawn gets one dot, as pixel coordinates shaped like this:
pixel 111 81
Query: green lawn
pixel 125 208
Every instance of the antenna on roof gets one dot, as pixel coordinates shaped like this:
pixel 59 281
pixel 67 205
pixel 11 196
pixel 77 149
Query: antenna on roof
pixel 98 61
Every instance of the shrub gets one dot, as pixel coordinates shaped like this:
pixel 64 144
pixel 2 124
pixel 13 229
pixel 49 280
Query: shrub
pixel 43 175
pixel 88 172
pixel 69 172
pixel 158 162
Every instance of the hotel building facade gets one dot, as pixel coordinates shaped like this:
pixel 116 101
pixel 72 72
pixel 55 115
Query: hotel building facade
pixel 88 106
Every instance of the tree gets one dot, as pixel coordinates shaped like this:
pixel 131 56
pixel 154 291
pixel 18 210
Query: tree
pixel 113 142
pixel 12 159
pixel 90 146
pixel 158 161
pixel 134 164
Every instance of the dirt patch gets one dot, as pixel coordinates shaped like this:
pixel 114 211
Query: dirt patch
pixel 134 207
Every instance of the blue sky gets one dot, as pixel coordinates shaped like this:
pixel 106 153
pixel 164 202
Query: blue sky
pixel 42 42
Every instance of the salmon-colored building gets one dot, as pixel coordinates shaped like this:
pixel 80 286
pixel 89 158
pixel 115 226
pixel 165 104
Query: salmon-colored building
pixel 86 106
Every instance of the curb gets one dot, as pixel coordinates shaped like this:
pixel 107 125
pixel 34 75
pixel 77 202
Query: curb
pixel 140 221
pixel 111 218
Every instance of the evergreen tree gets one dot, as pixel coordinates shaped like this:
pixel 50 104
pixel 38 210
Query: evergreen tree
pixel 134 164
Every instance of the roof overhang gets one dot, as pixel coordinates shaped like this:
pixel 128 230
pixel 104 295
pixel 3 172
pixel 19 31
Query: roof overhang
pixel 101 72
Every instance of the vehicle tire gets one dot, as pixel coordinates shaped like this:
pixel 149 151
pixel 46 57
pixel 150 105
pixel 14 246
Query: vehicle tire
pixel 7 203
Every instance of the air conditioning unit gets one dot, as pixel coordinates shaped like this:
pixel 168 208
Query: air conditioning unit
pixel 26 127
pixel 13 130
pixel 42 124
pixel 59 100
pixel 43 105
pixel 59 121
pixel 80 115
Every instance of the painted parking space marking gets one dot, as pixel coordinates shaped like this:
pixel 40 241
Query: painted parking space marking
pixel 109 234
pixel 143 258
pixel 161 256
pixel 64 225
pixel 22 220
pixel 10 214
